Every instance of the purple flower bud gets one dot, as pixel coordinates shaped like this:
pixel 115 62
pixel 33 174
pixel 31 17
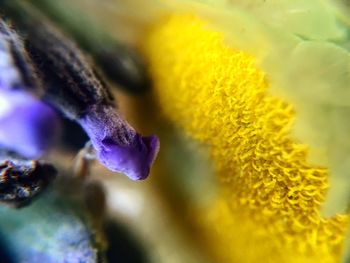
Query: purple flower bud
pixel 74 88
pixel 27 125
pixel 117 144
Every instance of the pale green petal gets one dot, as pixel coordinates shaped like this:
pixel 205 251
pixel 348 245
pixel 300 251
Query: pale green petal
pixel 319 72
pixel 312 19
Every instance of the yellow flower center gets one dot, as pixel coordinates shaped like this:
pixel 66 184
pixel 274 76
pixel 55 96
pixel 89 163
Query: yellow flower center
pixel 272 196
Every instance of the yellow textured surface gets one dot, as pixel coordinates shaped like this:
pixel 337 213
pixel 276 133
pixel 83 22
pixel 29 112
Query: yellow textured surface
pixel 270 207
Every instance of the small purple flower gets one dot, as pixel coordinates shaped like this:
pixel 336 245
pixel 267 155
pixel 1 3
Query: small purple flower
pixel 117 144
pixel 28 126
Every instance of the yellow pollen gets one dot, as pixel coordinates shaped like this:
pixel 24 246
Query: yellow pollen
pixel 270 207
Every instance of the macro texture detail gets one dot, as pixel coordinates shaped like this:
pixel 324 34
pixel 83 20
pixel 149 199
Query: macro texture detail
pixel 271 196
pixel 21 180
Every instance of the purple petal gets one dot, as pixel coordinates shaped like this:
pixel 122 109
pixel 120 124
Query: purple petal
pixel 118 146
pixel 27 125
